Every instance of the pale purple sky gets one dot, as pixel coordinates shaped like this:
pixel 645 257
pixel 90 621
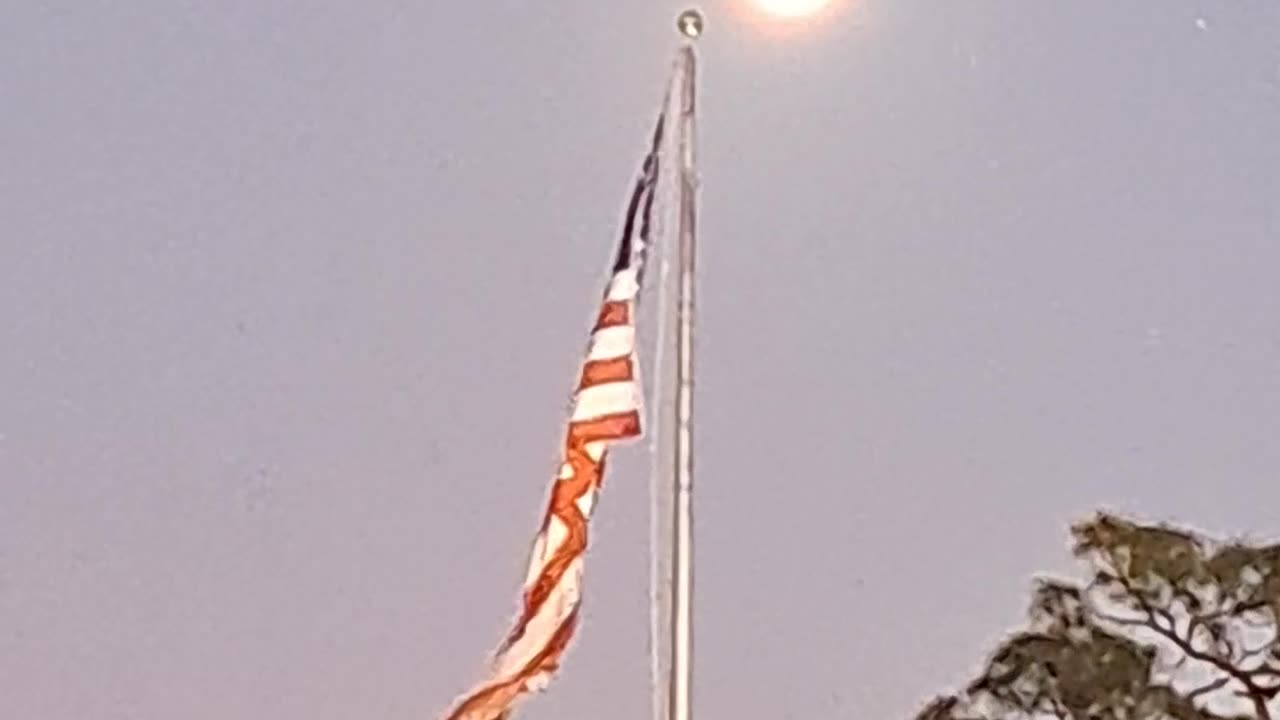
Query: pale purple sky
pixel 291 294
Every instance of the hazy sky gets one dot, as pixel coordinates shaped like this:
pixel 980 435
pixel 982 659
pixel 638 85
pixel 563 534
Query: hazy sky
pixel 292 293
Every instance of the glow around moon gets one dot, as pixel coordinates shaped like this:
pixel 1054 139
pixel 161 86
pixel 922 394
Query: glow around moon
pixel 791 9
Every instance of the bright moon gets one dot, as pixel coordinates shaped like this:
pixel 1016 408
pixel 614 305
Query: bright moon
pixel 791 9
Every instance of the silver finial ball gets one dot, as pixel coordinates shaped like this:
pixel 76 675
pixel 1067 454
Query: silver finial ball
pixel 690 23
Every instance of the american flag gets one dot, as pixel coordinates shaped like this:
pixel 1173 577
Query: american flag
pixel 606 410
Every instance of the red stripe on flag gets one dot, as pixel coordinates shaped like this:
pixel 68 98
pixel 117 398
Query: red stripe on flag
pixel 599 372
pixel 612 314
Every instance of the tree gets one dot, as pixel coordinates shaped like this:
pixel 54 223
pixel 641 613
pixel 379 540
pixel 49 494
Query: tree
pixel 1169 625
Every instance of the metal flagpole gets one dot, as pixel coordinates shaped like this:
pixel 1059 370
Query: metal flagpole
pixel 680 690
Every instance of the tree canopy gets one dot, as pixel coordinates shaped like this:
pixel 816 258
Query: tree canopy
pixel 1168 624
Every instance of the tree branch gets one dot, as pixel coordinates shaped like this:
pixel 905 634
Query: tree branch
pixel 1248 654
pixel 1255 692
pixel 1209 687
pixel 1199 621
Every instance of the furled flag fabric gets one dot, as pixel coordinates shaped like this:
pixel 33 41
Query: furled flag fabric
pixel 606 410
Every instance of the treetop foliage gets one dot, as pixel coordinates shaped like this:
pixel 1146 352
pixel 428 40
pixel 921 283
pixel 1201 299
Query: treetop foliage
pixel 1168 624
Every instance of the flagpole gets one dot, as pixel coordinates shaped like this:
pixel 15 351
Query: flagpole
pixel 673 556
pixel 681 680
